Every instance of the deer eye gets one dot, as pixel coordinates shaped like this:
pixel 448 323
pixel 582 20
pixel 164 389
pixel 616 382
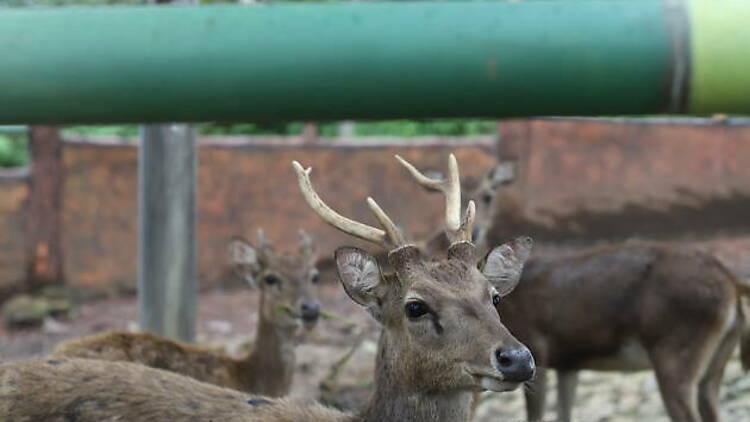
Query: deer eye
pixel 487 198
pixel 416 309
pixel 495 299
pixel 272 280
pixel 315 278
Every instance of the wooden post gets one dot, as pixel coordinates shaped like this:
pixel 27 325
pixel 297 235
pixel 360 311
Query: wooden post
pixel 167 285
pixel 44 213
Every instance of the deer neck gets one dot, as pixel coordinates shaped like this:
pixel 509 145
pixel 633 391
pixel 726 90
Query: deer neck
pixel 269 368
pixel 394 400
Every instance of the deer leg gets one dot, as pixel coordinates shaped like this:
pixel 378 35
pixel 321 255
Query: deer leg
pixel 567 382
pixel 536 393
pixel 678 368
pixel 679 396
pixel 710 385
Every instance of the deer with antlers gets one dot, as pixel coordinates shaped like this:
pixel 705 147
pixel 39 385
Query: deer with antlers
pixel 628 306
pixel 441 340
pixel 288 299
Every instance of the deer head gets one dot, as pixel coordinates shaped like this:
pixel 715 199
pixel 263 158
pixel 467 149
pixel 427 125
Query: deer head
pixel 485 193
pixel 287 281
pixel 441 331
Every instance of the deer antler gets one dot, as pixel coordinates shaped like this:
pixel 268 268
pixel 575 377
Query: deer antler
pixel 457 230
pixel 389 238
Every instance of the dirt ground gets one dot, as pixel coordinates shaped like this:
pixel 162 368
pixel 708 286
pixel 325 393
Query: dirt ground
pixel 227 318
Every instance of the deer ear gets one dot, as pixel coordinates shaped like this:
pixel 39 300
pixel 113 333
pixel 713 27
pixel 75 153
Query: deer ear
pixel 360 275
pixel 504 264
pixel 244 259
pixel 503 173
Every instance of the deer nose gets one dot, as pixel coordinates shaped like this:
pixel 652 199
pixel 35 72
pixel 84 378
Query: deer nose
pixel 516 365
pixel 310 311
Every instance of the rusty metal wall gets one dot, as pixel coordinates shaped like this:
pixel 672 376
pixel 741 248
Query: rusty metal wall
pixel 245 186
pixel 581 181
pixel 584 180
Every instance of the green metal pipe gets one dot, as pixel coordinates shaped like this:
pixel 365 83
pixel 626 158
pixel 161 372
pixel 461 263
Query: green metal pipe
pixel 363 61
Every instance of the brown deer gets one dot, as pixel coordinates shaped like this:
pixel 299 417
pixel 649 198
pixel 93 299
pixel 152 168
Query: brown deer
pixel 632 306
pixel 288 299
pixel 441 340
pixel 629 306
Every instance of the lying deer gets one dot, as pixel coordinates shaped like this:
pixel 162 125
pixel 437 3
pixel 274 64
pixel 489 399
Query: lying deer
pixel 441 340
pixel 288 298
pixel 624 307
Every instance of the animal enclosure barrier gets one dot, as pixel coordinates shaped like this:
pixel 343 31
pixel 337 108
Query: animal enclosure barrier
pixel 374 60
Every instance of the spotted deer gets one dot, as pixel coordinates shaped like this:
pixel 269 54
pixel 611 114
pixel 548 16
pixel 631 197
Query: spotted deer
pixel 628 306
pixel 441 340
pixel 288 299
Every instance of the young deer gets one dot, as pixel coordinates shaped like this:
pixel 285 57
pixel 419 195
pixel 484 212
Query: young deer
pixel 628 306
pixel 288 298
pixel 441 340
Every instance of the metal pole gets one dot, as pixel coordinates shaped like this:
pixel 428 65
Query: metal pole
pixel 167 285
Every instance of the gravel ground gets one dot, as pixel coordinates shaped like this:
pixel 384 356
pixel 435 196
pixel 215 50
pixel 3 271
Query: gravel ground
pixel 619 397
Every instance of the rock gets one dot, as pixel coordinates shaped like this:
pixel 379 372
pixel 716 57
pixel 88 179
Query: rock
pixel 24 311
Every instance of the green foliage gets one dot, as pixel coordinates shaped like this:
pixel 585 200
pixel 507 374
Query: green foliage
pixel 444 127
pixel 250 129
pixel 123 131
pixel 402 128
pixel 14 151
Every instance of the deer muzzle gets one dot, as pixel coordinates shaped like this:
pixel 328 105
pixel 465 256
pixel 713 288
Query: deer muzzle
pixel 516 365
pixel 309 312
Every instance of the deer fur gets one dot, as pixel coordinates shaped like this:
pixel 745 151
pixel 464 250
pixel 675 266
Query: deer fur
pixel 88 390
pixel 627 306
pixel 632 306
pixel 441 340
pixel 288 299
